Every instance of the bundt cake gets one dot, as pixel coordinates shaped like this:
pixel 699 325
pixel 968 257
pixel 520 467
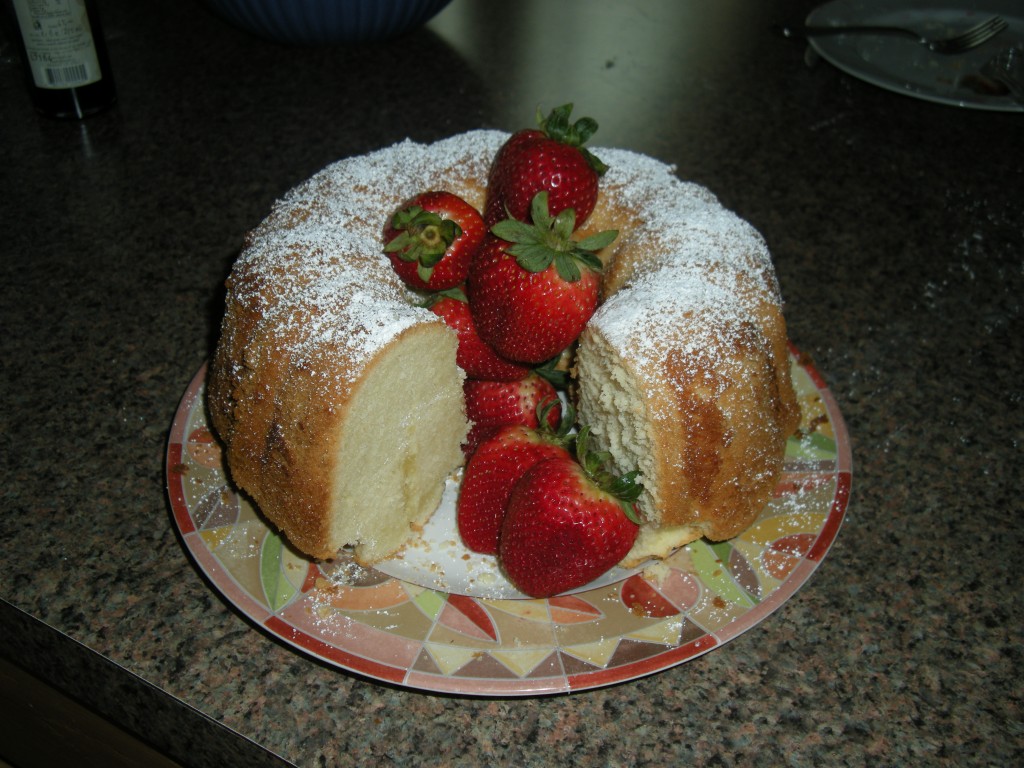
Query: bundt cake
pixel 340 404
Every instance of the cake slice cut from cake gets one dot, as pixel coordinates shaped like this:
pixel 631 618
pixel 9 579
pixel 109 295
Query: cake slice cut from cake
pixel 364 471
pixel 682 385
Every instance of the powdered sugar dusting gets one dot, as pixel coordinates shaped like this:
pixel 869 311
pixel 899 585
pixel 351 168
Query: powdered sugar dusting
pixel 691 273
pixel 314 270
pixel 681 308
pixel 682 222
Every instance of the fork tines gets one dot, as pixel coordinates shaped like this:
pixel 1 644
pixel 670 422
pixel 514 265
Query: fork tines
pixel 973 37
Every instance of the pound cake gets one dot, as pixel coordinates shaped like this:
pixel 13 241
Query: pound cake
pixel 340 403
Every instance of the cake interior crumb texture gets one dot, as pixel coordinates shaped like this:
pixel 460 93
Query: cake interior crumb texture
pixel 400 441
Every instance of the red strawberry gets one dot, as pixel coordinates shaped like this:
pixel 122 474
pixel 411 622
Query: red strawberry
pixel 475 357
pixel 431 240
pixel 550 158
pixel 496 465
pixel 493 404
pixel 566 523
pixel 532 288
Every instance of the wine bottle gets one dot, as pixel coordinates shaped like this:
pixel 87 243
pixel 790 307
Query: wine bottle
pixel 65 56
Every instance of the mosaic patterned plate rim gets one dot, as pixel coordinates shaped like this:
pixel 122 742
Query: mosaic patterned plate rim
pixel 392 631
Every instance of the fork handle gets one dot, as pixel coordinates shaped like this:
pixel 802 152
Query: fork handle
pixel 851 29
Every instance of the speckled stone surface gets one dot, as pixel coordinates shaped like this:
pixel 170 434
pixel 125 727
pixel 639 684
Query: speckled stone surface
pixel 898 232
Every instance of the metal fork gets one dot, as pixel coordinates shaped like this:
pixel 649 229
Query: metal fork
pixel 963 41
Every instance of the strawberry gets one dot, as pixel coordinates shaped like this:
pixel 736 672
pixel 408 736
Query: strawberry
pixel 475 357
pixel 431 239
pixel 567 522
pixel 532 288
pixel 551 158
pixel 493 404
pixel 496 465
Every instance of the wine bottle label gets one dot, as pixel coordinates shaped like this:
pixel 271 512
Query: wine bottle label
pixel 58 41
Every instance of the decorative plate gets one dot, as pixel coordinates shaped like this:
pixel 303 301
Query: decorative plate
pixel 902 65
pixel 447 627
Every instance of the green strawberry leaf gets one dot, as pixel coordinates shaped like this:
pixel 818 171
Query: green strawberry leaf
pixel 624 488
pixel 566 422
pixel 600 168
pixel 399 243
pixel 515 231
pixel 550 372
pixel 540 213
pixel 585 127
pixel 532 257
pixel 563 225
pixel 404 219
pixel 567 268
pixel 599 241
pixel 589 260
pixel 450 231
pixel 425 271
pixel 454 293
pixel 557 126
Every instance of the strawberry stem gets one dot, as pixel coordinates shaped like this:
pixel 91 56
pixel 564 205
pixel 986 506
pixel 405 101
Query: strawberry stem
pixel 423 237
pixel 566 422
pixel 557 126
pixel 549 240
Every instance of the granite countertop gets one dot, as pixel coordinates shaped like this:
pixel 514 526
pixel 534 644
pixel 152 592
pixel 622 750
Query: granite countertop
pixel 897 226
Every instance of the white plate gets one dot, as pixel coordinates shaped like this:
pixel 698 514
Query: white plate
pixel 904 66
pixel 439 560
